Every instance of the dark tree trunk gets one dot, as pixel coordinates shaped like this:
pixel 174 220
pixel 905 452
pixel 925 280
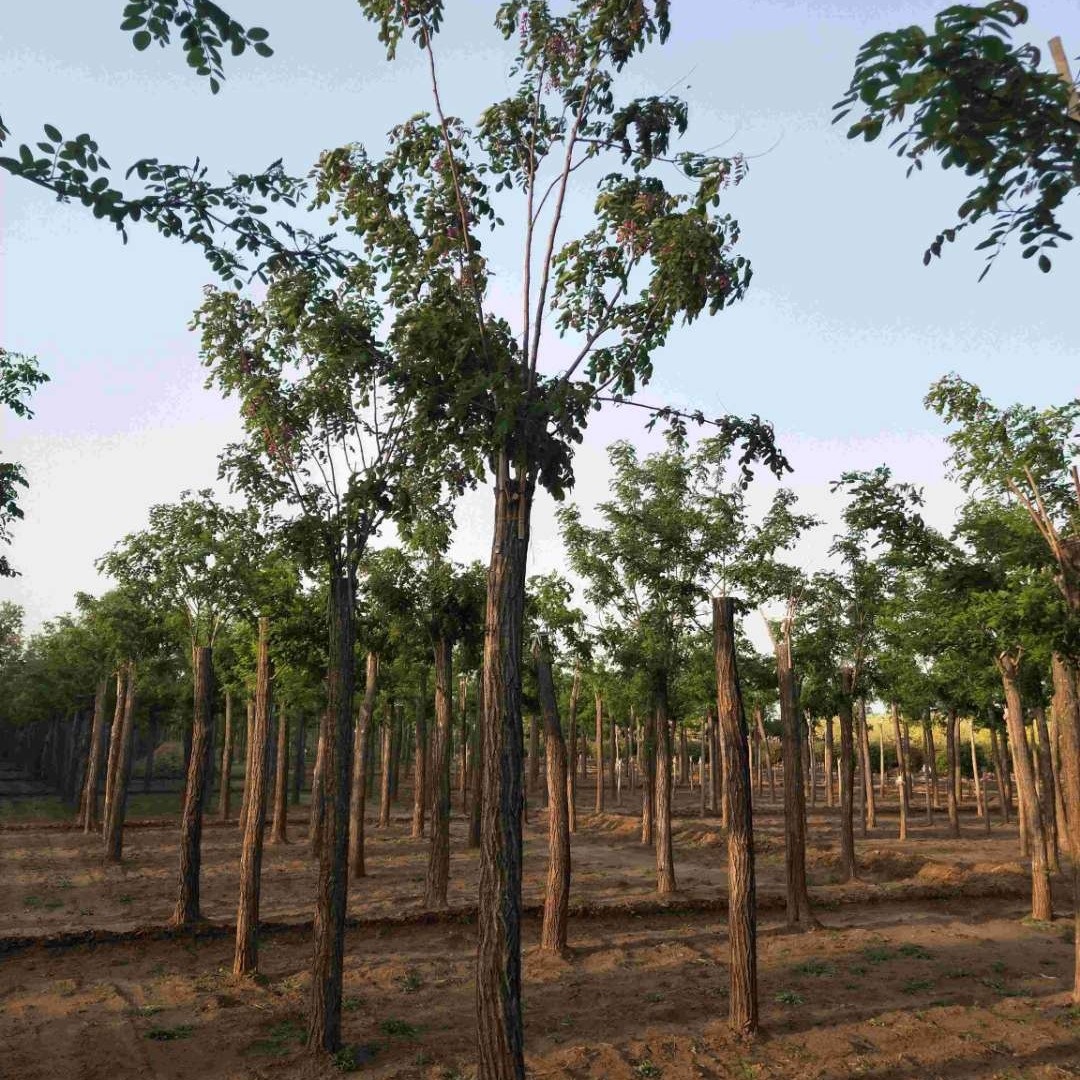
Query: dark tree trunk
pixel 1066 707
pixel 463 749
pixel 571 759
pixel 742 902
pixel 116 808
pixel 534 752
pixel 116 734
pixel 191 822
pixel 422 785
pixel 665 858
pixel 950 736
pixel 1041 905
pixel 331 896
pixel 298 760
pixel 476 782
pixel 246 956
pixel 847 774
pixel 438 871
pixel 798 899
pixel 361 749
pixel 93 764
pixel 498 965
pixel 387 766
pixel 557 894
pixel 279 830
pixel 1046 788
pixel 225 795
pixel 648 785
pixel 317 815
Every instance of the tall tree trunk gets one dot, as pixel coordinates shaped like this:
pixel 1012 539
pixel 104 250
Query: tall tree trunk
pixel 463 755
pixel 829 767
pixel 116 737
pixel 867 767
pixel 438 871
pixel 332 889
pixel 648 785
pixel 361 750
pixel 225 795
pixel 952 764
pixel 1000 775
pixel 809 759
pixel 498 961
pixel 766 753
pixel 928 776
pixel 1046 788
pixel 742 902
pixel 249 727
pixel 931 760
pixel 317 816
pixel 1041 904
pixel 93 763
pixel 279 831
pixel 300 735
pixel 425 787
pixel 534 752
pixel 557 893
pixel 599 809
pixel 980 805
pixel 246 954
pixel 847 774
pixel 881 759
pixel 798 899
pixel 191 822
pixel 116 808
pixel 902 769
pixel 1066 707
pixel 386 763
pixel 571 761
pixel 665 857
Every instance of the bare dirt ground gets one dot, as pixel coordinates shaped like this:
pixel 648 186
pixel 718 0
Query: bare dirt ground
pixel 924 969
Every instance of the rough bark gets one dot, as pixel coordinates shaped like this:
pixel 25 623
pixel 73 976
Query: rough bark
pixel 93 762
pixel 438 870
pixel 866 768
pixel 386 766
pixel 361 749
pixel 950 736
pixel 117 806
pixel 759 723
pixel 665 856
pixel 980 805
pixel 1066 709
pixel 317 815
pixel 225 795
pixel 246 954
pixel 331 893
pixel 929 780
pixel 115 738
pixel 1046 787
pixel 1041 904
pixel 191 821
pixel 280 828
pixel 798 899
pixel 534 752
pixel 829 767
pixel 742 903
pixel 1000 776
pixel 847 773
pixel 648 784
pixel 249 727
pixel 498 963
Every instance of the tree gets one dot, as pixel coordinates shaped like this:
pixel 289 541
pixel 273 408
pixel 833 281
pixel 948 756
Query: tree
pixel 19 377
pixel 967 95
pixel 198 558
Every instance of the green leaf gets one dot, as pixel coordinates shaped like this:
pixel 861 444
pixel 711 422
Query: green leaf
pixel 263 49
pixel 1044 264
pixel 52 133
pixel 141 40
pixel 257 33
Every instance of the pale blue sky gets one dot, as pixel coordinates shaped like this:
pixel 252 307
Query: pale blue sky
pixel 842 333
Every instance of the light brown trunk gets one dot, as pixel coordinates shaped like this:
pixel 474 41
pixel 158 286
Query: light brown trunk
pixel 599 808
pixel 116 733
pixel 424 786
pixel 665 857
pixel 246 953
pixel 557 892
pixel 386 766
pixel 847 774
pixel 279 830
pixel 828 760
pixel 317 814
pixel 225 794
pixel 742 904
pixel 114 822
pixel 571 770
pixel 902 770
pixel 950 736
pixel 361 749
pixel 867 769
pixel 93 760
pixel 1046 787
